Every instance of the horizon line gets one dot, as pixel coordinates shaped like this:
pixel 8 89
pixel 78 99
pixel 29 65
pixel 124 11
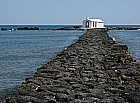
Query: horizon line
pixel 65 24
pixel 40 24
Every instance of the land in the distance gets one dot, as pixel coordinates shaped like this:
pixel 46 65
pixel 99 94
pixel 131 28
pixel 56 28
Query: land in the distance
pixel 69 28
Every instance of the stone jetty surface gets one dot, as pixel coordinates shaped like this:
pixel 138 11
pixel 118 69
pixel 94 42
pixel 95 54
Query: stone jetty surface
pixel 95 69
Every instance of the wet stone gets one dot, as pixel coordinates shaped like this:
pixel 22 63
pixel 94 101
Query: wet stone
pixel 94 69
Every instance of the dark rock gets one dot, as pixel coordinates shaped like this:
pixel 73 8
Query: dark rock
pixel 62 98
pixel 94 69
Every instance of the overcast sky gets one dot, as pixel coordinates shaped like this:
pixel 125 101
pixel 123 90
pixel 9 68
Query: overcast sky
pixel 68 11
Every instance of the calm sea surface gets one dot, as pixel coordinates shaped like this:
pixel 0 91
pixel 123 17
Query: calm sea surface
pixel 129 37
pixel 22 52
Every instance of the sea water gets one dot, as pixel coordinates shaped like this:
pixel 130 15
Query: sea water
pixel 22 52
pixel 129 37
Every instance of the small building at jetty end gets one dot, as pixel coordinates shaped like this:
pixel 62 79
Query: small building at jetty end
pixel 93 23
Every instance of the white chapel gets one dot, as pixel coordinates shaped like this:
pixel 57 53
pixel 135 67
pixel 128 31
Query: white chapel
pixel 93 23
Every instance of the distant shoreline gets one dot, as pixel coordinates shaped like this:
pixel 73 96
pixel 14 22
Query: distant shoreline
pixel 17 27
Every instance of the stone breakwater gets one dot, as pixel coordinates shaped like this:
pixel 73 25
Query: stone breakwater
pixel 95 69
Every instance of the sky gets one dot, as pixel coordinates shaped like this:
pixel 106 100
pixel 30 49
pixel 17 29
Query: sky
pixel 68 11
